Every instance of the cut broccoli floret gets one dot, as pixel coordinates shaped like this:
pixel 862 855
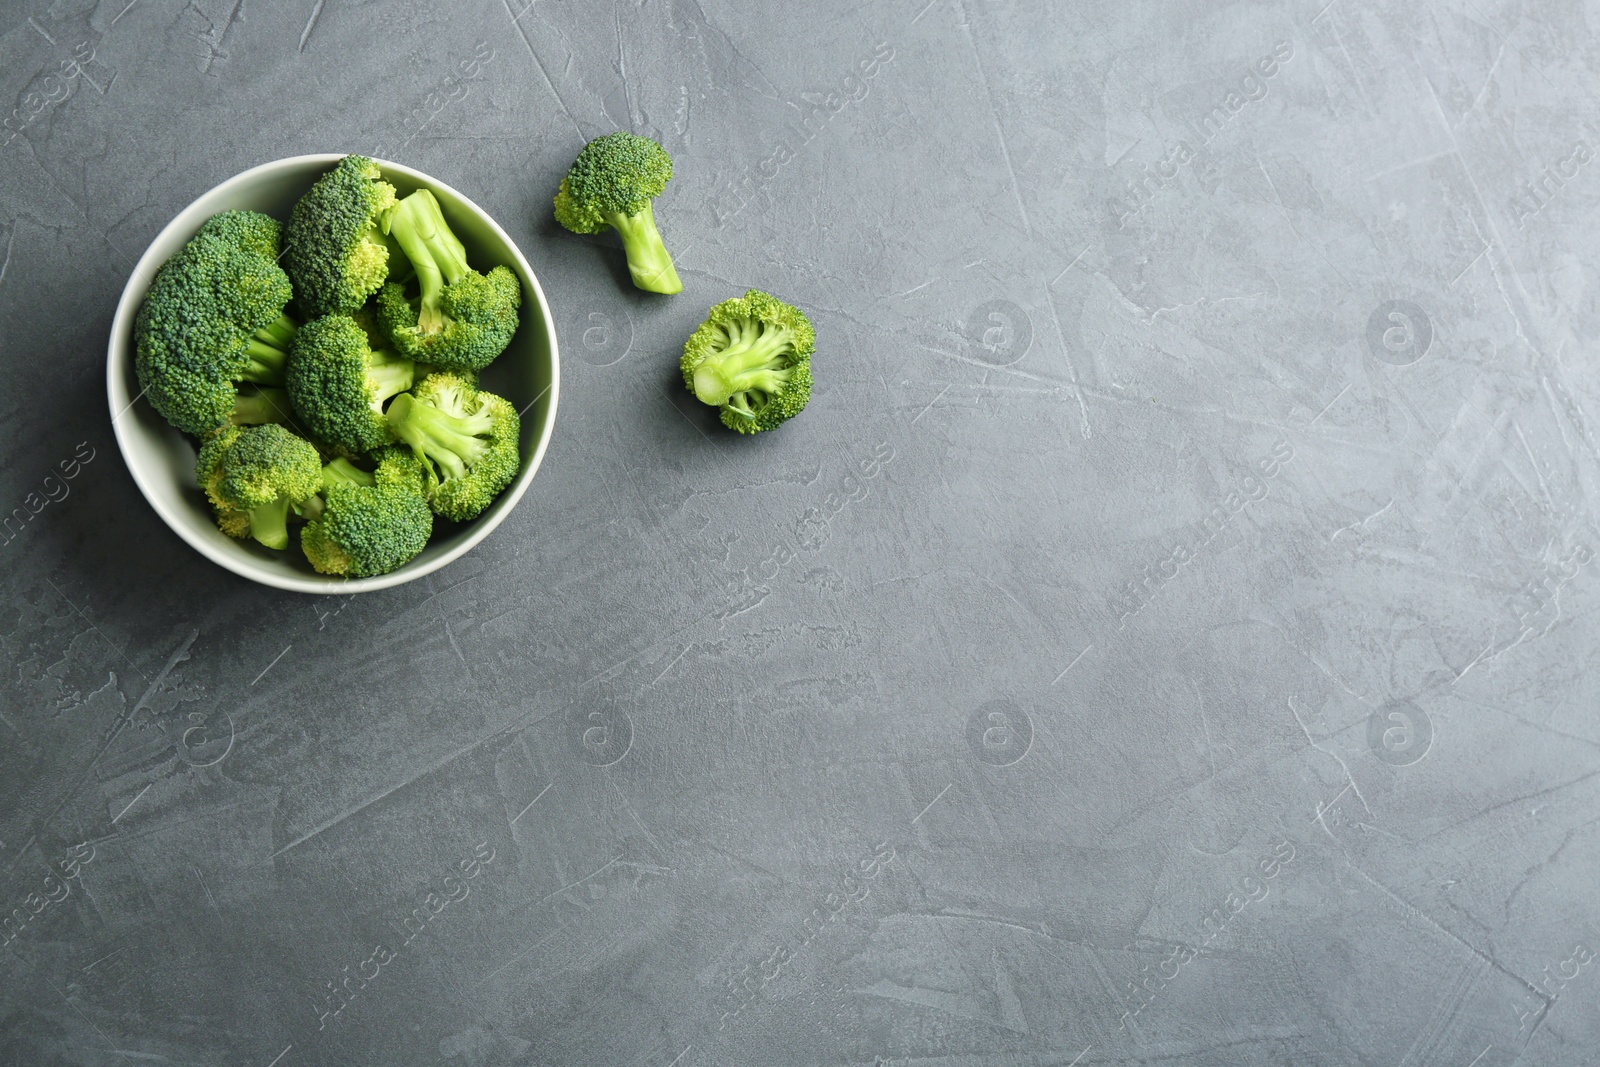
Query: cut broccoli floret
pixel 612 183
pixel 213 317
pixel 254 475
pixel 465 439
pixel 363 524
pixel 449 315
pixel 334 247
pixel 339 385
pixel 752 359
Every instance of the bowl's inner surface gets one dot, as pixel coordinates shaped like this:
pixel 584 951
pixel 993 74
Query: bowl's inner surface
pixel 163 458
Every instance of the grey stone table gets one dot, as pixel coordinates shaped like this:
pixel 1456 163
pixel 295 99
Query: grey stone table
pixel 1163 639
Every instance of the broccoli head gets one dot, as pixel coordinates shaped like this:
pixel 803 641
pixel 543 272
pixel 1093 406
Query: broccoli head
pixel 752 359
pixel 334 247
pixel 253 475
pixel 249 230
pixel 339 385
pixel 367 524
pixel 213 317
pixel 465 439
pixel 399 465
pixel 612 183
pixel 449 315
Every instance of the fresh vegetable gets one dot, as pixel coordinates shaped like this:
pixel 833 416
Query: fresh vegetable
pixel 449 315
pixel 752 359
pixel 254 475
pixel 339 385
pixel 611 184
pixel 213 318
pixel 388 387
pixel 334 247
pixel 249 230
pixel 367 524
pixel 465 438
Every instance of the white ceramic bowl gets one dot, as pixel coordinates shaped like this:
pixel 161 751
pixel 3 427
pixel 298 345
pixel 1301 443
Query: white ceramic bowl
pixel 162 459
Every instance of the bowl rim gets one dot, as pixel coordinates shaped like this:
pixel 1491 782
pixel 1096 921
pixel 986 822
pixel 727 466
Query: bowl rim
pixel 119 356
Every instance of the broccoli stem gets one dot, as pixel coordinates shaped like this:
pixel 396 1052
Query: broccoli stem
pixel 269 352
pixel 749 362
pixel 269 523
pixel 451 441
pixel 342 472
pixel 339 471
pixel 418 225
pixel 261 407
pixel 279 334
pixel 648 259
pixel 388 374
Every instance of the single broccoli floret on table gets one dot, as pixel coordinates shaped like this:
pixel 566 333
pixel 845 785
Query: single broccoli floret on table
pixel 334 246
pixel 249 230
pixel 213 317
pixel 449 315
pixel 752 359
pixel 466 440
pixel 254 475
pixel 612 183
pixel 339 385
pixel 261 405
pixel 365 524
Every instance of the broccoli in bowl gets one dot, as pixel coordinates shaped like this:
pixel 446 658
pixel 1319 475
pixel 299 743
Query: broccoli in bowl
pixel 330 390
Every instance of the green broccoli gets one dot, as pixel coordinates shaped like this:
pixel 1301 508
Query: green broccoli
pixel 365 524
pixel 253 475
pixel 249 230
pixel 450 316
pixel 265 404
pixel 465 439
pixel 399 465
pixel 334 246
pixel 339 385
pixel 751 358
pixel 612 183
pixel 213 317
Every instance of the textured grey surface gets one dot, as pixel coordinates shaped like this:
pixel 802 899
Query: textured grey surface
pixel 1162 640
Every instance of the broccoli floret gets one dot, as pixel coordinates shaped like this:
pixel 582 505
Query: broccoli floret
pixel 751 358
pixel 249 230
pixel 264 405
pixel 465 439
pixel 334 248
pixel 366 524
pixel 450 315
pixel 339 385
pixel 399 465
pixel 254 475
pixel 213 317
pixel 612 183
